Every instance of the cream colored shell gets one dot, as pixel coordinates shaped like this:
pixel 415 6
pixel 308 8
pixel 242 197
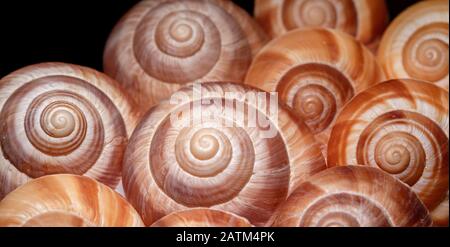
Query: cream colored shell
pixel 202 217
pixel 352 196
pixel 232 167
pixel 415 44
pixel 363 19
pixel 400 127
pixel 159 46
pixel 66 201
pixel 315 71
pixel 62 118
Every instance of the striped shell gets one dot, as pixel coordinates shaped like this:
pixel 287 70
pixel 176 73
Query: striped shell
pixel 315 71
pixel 202 217
pixel 159 46
pixel 352 196
pixel 415 44
pixel 401 127
pixel 62 118
pixel 218 160
pixel 66 201
pixel 363 19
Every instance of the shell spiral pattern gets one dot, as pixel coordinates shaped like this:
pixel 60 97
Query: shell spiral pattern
pixel 363 19
pixel 415 44
pixel 202 217
pixel 400 127
pixel 66 200
pixel 60 118
pixel 315 71
pixel 352 196
pixel 234 167
pixel 161 45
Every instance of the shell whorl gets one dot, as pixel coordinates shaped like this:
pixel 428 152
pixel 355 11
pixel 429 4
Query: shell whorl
pixel 161 45
pixel 315 71
pixel 66 200
pixel 352 196
pixel 61 118
pixel 400 127
pixel 365 20
pixel 202 217
pixel 233 168
pixel 415 44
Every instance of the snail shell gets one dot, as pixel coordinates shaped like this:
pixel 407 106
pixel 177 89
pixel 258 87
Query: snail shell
pixel 401 127
pixel 352 196
pixel 363 19
pixel 315 72
pixel 161 45
pixel 415 44
pixel 235 167
pixel 66 200
pixel 202 217
pixel 61 118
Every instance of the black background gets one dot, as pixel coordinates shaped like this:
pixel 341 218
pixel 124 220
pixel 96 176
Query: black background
pixel 284 237
pixel 72 31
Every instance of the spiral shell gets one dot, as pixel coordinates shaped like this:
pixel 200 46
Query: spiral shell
pixel 60 118
pixel 315 71
pixel 233 167
pixel 363 19
pixel 66 200
pixel 415 44
pixel 352 196
pixel 161 45
pixel 401 127
pixel 202 217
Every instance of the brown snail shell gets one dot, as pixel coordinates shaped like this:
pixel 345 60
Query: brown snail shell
pixel 363 19
pixel 401 127
pixel 62 118
pixel 66 200
pixel 237 169
pixel 202 217
pixel 352 196
pixel 415 44
pixel 315 71
pixel 159 46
